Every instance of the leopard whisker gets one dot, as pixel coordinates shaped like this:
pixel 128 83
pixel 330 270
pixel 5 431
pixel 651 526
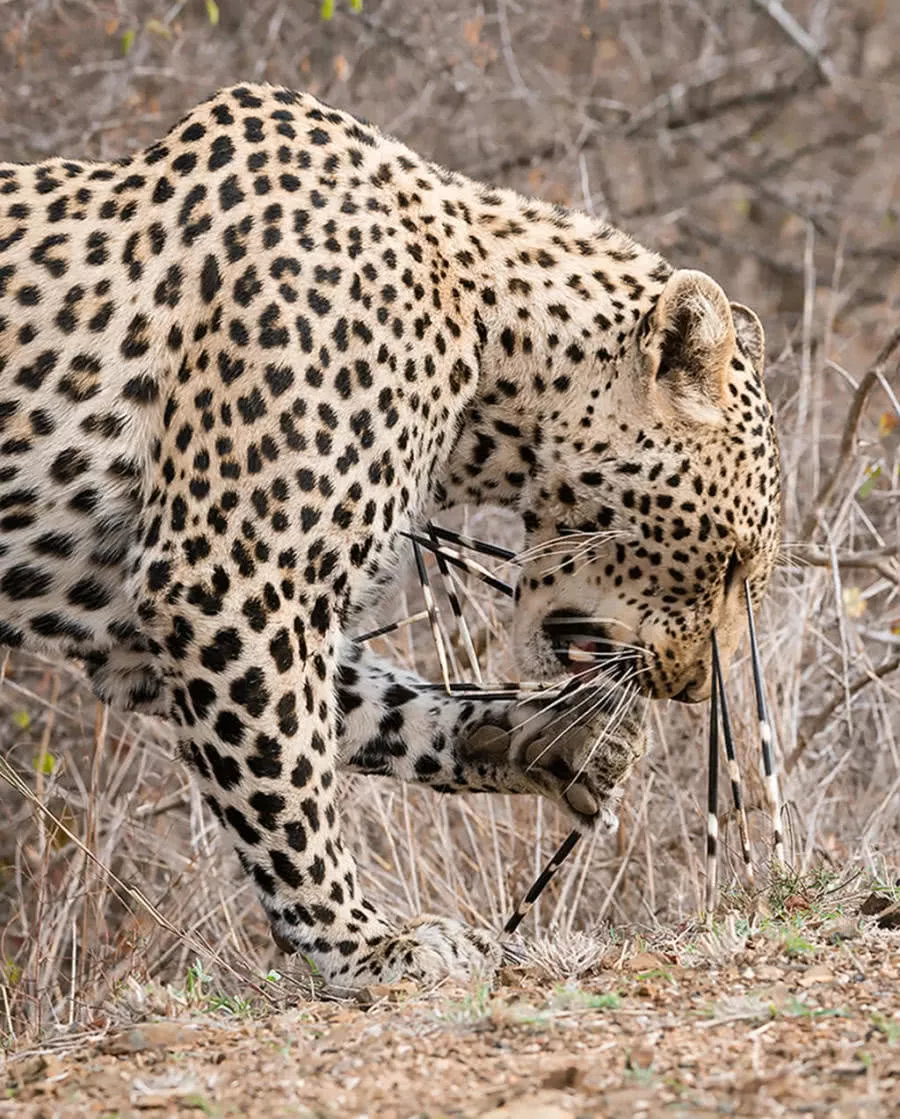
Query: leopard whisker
pixel 601 683
pixel 594 699
pixel 571 561
pixel 584 717
pixel 566 691
pixel 590 699
pixel 571 543
pixel 576 539
pixel 615 719
pixel 586 563
pixel 629 694
pixel 615 684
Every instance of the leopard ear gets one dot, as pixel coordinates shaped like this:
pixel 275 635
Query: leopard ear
pixel 692 336
pixel 750 335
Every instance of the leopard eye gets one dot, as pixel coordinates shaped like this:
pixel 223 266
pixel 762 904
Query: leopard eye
pixel 731 570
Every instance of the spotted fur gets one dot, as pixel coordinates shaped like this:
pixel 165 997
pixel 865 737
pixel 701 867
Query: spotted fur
pixel 236 366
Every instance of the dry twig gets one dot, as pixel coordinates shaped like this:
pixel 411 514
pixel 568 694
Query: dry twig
pixel 884 561
pixel 848 439
pixel 800 37
pixel 821 721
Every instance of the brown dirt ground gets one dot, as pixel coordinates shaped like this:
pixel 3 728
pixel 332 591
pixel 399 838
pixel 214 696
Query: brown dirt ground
pixel 805 1029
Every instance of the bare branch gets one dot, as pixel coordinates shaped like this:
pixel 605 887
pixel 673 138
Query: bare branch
pixel 821 721
pixel 800 37
pixel 877 559
pixel 684 113
pixel 509 55
pixel 848 439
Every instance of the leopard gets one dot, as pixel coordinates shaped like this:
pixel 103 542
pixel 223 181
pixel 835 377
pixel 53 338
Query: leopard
pixel 239 366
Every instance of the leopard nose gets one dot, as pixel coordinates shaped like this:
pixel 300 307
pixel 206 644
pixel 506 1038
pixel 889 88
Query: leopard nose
pixel 696 691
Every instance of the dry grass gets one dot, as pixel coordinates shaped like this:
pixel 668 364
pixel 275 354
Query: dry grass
pixel 711 135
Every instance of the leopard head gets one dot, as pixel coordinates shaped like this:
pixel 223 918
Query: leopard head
pixel 640 538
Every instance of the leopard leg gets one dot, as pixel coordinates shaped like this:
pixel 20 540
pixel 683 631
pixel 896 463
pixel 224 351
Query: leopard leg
pixel 575 751
pixel 256 715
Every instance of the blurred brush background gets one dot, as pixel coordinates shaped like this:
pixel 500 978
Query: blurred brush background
pixel 755 139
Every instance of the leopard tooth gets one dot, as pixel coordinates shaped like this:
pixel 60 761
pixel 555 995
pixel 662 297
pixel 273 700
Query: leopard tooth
pixel 576 653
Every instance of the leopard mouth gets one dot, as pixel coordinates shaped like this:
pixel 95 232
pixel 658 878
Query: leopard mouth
pixel 584 647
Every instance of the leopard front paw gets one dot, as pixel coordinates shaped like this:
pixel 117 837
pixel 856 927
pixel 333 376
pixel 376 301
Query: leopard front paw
pixel 553 751
pixel 428 949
